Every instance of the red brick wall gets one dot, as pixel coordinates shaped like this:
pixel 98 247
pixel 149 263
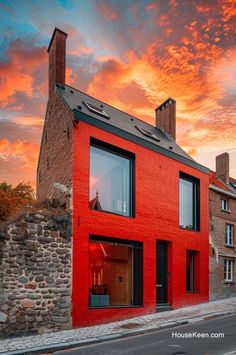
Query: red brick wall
pixel 156 218
pixel 55 159
pixel 166 117
pixel 218 288
pixel 222 167
pixel 57 60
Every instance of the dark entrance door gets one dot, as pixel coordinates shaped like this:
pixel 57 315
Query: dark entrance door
pixel 161 273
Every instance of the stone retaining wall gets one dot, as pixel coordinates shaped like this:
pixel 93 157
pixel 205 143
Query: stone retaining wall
pixel 35 274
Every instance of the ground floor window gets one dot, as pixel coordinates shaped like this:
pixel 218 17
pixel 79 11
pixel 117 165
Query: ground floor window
pixel 115 272
pixel 228 270
pixel 192 271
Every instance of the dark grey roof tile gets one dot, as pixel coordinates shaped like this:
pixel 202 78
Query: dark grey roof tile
pixel 119 119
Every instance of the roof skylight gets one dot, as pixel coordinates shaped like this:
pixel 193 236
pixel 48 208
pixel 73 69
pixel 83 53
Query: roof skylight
pixel 147 133
pixel 95 109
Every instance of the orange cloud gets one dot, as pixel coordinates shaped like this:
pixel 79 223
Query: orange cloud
pixel 17 74
pixel 69 76
pixel 28 121
pixel 26 151
pixel 195 72
pixel 187 52
pixel 229 10
pixel 110 70
pixel 225 71
pixel 18 161
pixel 13 81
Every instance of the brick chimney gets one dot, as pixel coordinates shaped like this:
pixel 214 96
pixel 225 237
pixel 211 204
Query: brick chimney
pixel 57 59
pixel 166 117
pixel 222 167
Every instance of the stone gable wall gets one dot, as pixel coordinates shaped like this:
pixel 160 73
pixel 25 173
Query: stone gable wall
pixel 35 274
pixel 54 173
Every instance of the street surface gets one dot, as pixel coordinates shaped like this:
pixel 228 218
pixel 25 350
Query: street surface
pixel 221 340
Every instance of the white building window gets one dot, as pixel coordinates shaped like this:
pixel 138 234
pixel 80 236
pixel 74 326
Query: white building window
pixel 224 204
pixel 229 234
pixel 228 270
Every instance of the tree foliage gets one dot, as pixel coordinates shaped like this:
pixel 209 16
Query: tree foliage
pixel 13 199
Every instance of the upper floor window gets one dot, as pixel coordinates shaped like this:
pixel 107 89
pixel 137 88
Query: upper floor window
pixel 224 204
pixel 189 204
pixel 111 179
pixel 228 270
pixel 229 232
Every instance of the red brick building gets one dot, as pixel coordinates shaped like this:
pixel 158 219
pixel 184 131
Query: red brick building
pixel 139 203
pixel 222 229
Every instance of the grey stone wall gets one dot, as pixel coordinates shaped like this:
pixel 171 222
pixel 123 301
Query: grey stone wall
pixel 35 274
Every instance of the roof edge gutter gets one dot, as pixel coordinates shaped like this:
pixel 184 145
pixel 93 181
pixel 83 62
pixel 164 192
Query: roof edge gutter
pixel 218 189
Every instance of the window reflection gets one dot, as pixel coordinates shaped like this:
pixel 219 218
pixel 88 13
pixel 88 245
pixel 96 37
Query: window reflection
pixel 110 178
pixel 111 276
pixel 186 203
pixel 189 207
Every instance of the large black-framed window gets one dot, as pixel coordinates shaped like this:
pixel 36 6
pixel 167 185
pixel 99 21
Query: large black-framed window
pixel 189 202
pixel 115 272
pixel 111 185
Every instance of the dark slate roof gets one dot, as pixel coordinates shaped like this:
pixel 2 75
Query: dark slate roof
pixel 123 124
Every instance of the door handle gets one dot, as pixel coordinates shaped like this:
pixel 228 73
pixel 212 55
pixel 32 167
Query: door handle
pixel 159 285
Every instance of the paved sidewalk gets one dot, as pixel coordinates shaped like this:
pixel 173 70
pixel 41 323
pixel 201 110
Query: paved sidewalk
pixel 115 330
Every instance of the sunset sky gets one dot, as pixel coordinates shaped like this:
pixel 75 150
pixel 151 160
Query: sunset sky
pixel 132 54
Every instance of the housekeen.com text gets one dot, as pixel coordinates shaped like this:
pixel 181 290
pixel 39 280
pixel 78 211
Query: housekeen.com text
pixel 191 335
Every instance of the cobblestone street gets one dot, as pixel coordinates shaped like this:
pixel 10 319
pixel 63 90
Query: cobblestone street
pixel 138 325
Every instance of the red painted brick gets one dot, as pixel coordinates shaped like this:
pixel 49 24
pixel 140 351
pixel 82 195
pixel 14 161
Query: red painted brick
pixel 156 218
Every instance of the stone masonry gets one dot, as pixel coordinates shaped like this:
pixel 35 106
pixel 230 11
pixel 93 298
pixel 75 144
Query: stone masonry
pixel 219 251
pixel 54 173
pixel 35 274
pixel 220 217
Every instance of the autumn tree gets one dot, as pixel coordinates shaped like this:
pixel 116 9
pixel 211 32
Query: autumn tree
pixel 13 199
